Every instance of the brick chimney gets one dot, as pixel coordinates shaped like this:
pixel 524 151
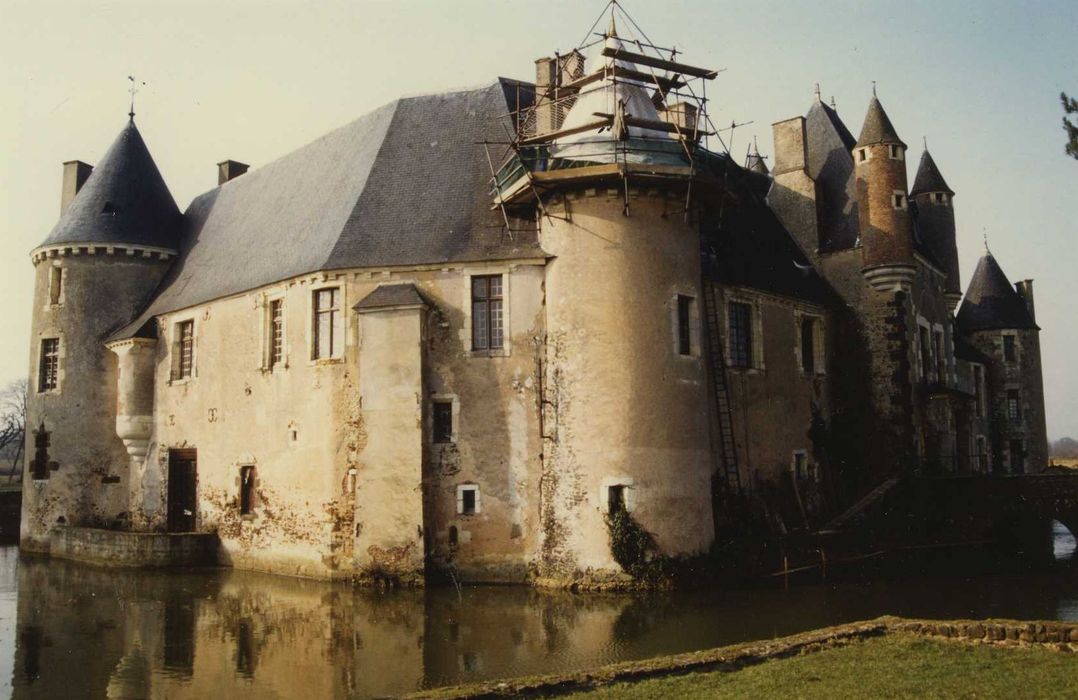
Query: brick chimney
pixel 75 175
pixel 230 170
pixel 1025 290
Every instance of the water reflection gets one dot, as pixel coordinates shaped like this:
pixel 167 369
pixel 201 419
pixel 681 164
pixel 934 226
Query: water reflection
pixel 92 632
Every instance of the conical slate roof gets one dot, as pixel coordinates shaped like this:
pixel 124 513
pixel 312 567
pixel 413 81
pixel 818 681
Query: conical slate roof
pixel 929 178
pixel 755 162
pixel 878 127
pixel 125 200
pixel 991 302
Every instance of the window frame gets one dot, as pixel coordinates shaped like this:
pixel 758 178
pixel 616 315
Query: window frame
pixel 899 200
pixel 684 312
pixel 185 348
pixel 744 331
pixel 476 503
pixel 487 302
pixel 1013 399
pixel 1010 358
pixel 819 339
pixel 46 358
pixel 337 326
pixel 276 353
pixel 246 501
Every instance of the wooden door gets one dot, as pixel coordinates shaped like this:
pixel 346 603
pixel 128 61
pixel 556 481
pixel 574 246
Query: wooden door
pixel 182 501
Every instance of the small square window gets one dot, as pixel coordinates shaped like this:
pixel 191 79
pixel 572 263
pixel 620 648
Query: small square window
pixel 900 201
pixel 467 499
pixel 862 155
pixel 896 152
pixel 442 419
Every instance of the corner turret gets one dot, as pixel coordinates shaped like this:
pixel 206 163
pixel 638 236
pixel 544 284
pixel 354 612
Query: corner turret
pixel 934 212
pixel 883 202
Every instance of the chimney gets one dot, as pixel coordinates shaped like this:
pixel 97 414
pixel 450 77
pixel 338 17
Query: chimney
pixel 790 146
pixel 75 175
pixel 230 170
pixel 1025 290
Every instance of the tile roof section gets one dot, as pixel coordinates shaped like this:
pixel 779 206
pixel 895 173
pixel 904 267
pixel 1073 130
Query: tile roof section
pixel 406 184
pixel 928 177
pixel 991 302
pixel 388 295
pixel 125 200
pixel 877 127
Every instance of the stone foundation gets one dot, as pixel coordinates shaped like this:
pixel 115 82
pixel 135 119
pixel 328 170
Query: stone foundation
pixel 134 549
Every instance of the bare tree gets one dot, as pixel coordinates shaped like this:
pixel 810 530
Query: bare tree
pixel 13 424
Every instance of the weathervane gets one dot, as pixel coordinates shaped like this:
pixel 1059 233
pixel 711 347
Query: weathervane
pixel 134 91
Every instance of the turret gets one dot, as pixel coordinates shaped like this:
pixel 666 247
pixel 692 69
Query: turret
pixel 115 239
pixel 998 320
pixel 754 161
pixel 886 230
pixel 934 211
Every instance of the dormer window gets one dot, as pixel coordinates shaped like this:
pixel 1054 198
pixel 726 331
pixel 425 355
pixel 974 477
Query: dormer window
pixel 899 200
pixel 896 151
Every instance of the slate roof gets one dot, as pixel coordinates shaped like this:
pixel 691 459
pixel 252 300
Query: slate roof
pixel 755 162
pixel 991 302
pixel 406 184
pixel 125 200
pixel 391 295
pixel 830 165
pixel 928 177
pixel 964 350
pixel 877 127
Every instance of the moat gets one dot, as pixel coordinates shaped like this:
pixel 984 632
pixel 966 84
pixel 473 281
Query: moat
pixel 70 631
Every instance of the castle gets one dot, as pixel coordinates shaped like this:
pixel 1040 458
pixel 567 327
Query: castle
pixel 409 346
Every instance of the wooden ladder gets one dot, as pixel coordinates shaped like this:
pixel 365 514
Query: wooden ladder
pixel 717 369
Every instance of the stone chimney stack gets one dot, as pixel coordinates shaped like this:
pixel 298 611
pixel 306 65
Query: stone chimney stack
pixel 1025 290
pixel 230 170
pixel 791 151
pixel 75 175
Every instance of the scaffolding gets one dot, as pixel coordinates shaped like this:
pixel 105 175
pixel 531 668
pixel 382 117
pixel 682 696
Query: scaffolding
pixel 617 107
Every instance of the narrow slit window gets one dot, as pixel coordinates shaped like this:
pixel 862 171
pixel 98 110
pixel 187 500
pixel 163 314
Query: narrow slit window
pixel 808 345
pixel 740 316
pixel 487 299
pixel 186 332
pixel 56 285
pixel 615 499
pixel 247 490
pixel 1010 353
pixel 49 368
pixel 442 422
pixel 276 339
pixel 926 352
pixel 684 327
pixel 327 315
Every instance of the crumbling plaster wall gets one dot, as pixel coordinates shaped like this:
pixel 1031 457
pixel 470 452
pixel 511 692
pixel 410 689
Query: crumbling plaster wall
pixel 88 486
pixel 236 412
pixel 625 407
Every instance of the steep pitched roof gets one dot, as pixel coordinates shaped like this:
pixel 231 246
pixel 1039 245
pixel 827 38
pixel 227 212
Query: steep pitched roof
pixel 877 127
pixel 928 177
pixel 830 164
pixel 991 302
pixel 387 295
pixel 755 162
pixel 125 200
pixel 406 184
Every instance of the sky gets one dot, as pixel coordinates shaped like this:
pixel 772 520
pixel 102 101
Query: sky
pixel 253 80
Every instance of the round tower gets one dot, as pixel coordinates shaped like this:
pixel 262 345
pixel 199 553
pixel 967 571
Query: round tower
pixel 934 202
pixel 883 203
pixel 118 232
pixel 999 321
pixel 626 419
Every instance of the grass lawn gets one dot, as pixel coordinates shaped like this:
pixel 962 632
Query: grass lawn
pixel 892 666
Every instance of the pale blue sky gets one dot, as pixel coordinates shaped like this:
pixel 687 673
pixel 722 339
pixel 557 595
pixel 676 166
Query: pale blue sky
pixel 253 80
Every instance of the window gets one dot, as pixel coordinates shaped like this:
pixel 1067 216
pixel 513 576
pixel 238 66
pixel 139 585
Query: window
pixel 442 420
pixel 615 499
pixel 1014 406
pixel 740 317
pixel 978 390
pixel 808 345
pixel 862 155
pixel 467 499
pixel 1018 456
pixel 982 454
pixel 939 197
pixel 926 352
pixel 276 333
pixel 40 465
pixel 487 312
pixel 185 330
pixel 896 152
pixel 684 324
pixel 453 537
pixel 1010 353
pixel 327 318
pixel 247 490
pixel 48 378
pixel 899 200
pixel 800 465
pixel 56 285
pixel 941 361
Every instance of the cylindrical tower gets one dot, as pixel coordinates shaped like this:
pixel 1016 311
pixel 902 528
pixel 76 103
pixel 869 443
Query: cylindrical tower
pixel 625 379
pixel 98 267
pixel 935 219
pixel 883 202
